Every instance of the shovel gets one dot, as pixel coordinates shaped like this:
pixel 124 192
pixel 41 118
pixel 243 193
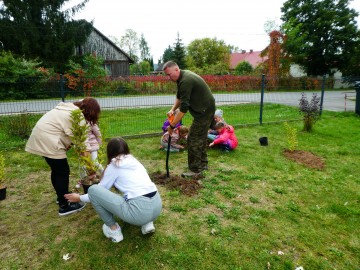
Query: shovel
pixel 170 118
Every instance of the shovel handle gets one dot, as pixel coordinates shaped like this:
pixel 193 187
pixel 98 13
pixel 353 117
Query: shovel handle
pixel 170 118
pixel 167 156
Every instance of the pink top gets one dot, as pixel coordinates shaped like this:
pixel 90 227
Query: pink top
pixel 227 136
pixel 94 138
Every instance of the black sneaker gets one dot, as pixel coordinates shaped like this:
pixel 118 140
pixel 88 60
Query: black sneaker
pixel 71 208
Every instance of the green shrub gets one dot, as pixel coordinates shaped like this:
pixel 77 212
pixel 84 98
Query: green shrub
pixel 243 68
pixel 291 137
pixel 80 129
pixel 21 78
pixel 19 125
pixel 309 110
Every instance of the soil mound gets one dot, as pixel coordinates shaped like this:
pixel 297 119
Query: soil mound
pixel 306 158
pixel 189 187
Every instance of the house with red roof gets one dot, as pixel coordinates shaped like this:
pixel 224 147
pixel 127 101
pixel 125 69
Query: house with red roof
pixel 252 57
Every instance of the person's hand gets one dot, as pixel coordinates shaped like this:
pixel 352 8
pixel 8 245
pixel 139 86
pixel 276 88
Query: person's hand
pixel 69 147
pixel 170 130
pixel 170 113
pixel 72 197
pixel 92 176
pixel 85 154
pixel 211 144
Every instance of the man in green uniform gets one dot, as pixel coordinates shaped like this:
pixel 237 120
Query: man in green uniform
pixel 193 95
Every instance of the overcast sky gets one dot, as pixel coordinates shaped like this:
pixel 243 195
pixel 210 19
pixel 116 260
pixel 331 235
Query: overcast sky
pixel 237 22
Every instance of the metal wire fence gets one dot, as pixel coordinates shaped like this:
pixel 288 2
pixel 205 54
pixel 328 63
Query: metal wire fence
pixel 133 106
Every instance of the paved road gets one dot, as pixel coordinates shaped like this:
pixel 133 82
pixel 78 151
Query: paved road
pixel 333 101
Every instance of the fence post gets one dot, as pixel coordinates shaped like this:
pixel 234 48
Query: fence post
pixel 262 96
pixel 322 94
pixel 62 88
pixel 357 99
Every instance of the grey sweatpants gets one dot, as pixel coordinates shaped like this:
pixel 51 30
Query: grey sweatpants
pixel 136 211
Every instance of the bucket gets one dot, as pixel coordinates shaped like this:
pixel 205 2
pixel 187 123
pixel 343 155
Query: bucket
pixel 264 141
pixel 2 193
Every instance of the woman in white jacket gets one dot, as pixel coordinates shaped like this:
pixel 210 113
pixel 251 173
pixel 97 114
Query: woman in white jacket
pixel 140 203
pixel 50 138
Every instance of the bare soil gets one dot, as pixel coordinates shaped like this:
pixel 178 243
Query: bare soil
pixel 306 158
pixel 189 187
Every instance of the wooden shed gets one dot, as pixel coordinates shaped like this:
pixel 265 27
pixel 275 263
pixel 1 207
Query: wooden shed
pixel 117 62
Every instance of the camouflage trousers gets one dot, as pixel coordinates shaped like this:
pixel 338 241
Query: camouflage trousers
pixel 197 143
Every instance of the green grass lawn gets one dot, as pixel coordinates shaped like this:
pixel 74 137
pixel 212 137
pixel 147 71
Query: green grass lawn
pixel 256 209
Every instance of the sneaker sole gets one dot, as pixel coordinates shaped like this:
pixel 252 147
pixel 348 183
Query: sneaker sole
pixel 72 212
pixel 114 240
pixel 147 232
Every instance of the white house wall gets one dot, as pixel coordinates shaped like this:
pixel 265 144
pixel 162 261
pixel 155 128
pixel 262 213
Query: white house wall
pixel 297 71
pixel 338 81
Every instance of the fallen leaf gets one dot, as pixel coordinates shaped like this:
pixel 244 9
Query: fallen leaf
pixel 66 256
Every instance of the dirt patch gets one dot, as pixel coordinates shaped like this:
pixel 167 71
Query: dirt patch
pixel 189 187
pixel 306 158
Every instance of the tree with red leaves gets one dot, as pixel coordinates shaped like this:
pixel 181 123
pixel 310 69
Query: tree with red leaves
pixel 278 61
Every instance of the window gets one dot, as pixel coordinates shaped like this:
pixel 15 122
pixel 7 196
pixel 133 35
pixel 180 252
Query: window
pixel 108 69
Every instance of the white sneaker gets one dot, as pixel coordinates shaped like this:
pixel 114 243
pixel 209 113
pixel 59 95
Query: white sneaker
pixel 148 228
pixel 115 236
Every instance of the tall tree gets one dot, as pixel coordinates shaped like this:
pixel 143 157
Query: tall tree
pixel 179 52
pixel 271 25
pixel 278 61
pixel 321 34
pixel 206 52
pixel 353 69
pixel 130 44
pixel 40 29
pixel 151 62
pixel 144 48
pixel 115 40
pixel 276 40
pixel 167 55
pixel 141 68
